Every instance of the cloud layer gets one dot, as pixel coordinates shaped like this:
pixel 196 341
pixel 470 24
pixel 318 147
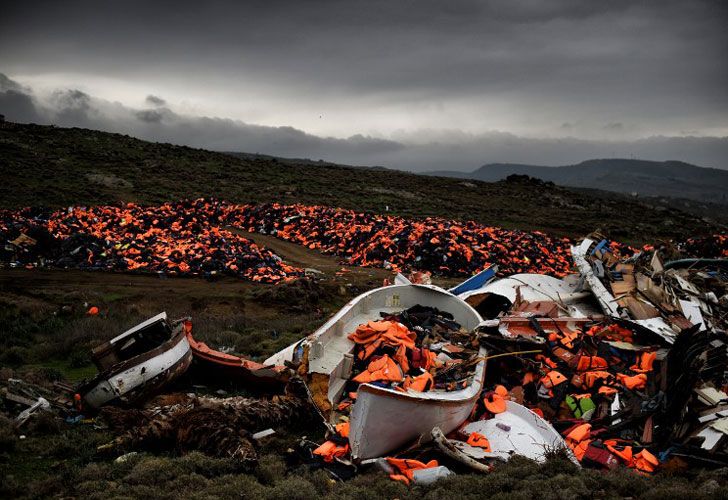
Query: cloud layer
pixel 618 70
pixel 418 150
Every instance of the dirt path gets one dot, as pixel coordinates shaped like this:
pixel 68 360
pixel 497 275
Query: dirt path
pixel 54 286
pixel 300 256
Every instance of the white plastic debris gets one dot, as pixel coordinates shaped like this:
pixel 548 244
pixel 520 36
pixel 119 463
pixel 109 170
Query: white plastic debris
pixel 426 477
pixel 41 404
pixel 125 457
pixel 263 434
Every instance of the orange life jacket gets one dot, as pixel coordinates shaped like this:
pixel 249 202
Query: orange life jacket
pixel 383 368
pixel 479 441
pixel 591 363
pixel 401 358
pixel 638 381
pixel 644 362
pixel 343 429
pixel 420 383
pixel 407 467
pixel 330 450
pixel 591 378
pixel 607 390
pixel 495 402
pixel 646 462
pixel 578 440
pixel 552 379
pixel 625 453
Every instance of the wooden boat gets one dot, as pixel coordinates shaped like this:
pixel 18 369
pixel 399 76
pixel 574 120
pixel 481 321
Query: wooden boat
pixel 138 363
pixel 382 419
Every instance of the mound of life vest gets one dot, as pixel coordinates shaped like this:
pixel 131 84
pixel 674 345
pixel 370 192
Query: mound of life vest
pixel 619 394
pixel 193 238
pixel 433 244
pixel 184 238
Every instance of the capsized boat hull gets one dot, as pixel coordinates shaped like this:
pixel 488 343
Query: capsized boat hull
pixel 566 292
pixel 516 431
pixel 382 420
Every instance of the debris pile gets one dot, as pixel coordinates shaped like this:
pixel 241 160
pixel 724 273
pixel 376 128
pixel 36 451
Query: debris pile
pixel 184 238
pixel 221 427
pixel 601 385
pixel 623 365
pixel 190 238
pixel 432 244
pixel 666 297
pixel 571 365
pixel 708 247
pixel 419 350
pixel 640 385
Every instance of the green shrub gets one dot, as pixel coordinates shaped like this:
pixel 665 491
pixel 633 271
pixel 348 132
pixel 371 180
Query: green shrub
pixel 15 356
pixel 292 488
pixel 8 438
pixel 43 423
pixel 154 470
pixel 271 469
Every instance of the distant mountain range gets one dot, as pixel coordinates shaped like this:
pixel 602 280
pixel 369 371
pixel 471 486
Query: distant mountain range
pixel 645 178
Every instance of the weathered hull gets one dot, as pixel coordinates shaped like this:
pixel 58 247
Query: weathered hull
pixel 516 431
pixel 608 302
pixel 566 292
pixel 383 420
pixel 234 368
pixel 514 326
pixel 137 378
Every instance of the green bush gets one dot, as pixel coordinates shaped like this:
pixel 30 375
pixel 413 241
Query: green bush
pixel 271 469
pixel 8 439
pixel 292 488
pixel 15 356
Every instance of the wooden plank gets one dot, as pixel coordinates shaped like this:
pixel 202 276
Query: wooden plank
pixel 18 399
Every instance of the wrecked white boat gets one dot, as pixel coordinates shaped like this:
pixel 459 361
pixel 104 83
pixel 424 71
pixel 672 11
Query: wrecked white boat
pixel 325 359
pixel 138 362
pixel 516 431
pixel 499 296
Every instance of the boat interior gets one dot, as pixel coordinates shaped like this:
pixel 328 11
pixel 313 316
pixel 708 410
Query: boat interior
pixel 136 341
pixel 331 353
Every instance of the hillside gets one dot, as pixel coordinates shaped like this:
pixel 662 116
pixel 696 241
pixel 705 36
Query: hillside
pixel 51 166
pixel 646 178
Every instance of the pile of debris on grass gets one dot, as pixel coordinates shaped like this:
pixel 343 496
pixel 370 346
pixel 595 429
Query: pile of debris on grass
pixel 622 364
pixel 184 238
pixel 189 238
pixel 432 244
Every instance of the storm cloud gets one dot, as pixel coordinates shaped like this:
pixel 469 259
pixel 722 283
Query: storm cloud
pixel 402 84
pixel 155 100
pixel 418 150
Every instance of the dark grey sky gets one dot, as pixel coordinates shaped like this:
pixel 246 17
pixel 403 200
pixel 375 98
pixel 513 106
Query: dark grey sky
pixel 416 83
